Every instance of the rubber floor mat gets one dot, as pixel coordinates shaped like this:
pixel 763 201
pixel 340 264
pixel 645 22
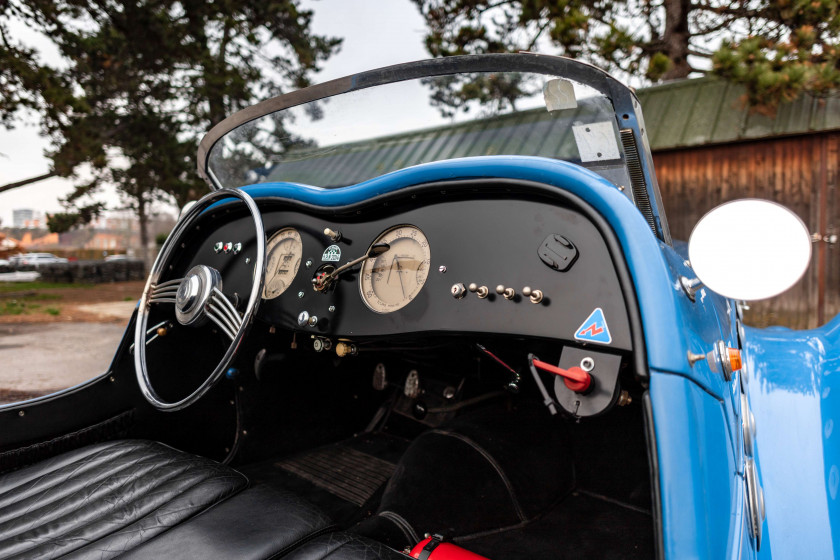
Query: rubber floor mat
pixel 351 475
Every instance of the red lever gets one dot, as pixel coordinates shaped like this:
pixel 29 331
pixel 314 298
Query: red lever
pixel 575 378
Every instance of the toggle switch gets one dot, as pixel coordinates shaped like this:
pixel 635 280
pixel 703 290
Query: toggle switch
pixel 508 293
pixel 536 296
pixel 334 235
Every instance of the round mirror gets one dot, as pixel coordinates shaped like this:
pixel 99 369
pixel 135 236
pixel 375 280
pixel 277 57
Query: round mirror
pixel 749 249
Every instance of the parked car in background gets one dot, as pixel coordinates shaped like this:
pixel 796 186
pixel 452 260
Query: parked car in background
pixel 35 259
pixel 4 262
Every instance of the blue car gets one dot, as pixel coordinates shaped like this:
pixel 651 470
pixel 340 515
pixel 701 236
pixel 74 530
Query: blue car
pixel 434 311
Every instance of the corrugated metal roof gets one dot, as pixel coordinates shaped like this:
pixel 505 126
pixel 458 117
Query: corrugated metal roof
pixel 677 115
pixel 534 132
pixel 712 111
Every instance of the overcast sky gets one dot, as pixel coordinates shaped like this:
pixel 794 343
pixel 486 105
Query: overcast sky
pixel 375 33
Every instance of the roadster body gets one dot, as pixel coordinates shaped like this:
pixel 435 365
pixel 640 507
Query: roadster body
pixel 460 341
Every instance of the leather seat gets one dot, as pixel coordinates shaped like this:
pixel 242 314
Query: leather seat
pixel 103 500
pixel 344 546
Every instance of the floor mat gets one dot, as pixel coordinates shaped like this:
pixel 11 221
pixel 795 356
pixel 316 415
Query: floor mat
pixel 337 478
pixel 342 471
pixel 580 527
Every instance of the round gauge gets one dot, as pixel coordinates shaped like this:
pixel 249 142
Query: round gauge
pixel 284 251
pixel 394 278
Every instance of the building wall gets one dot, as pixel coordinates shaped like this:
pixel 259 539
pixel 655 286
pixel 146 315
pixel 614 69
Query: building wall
pixel 800 172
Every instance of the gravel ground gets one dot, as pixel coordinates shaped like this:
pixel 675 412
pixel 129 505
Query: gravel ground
pixel 37 359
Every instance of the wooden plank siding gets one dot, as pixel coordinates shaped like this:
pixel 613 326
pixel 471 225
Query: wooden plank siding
pixel 800 172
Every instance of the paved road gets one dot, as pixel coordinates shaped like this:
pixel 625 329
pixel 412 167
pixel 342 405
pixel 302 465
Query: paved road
pixel 44 357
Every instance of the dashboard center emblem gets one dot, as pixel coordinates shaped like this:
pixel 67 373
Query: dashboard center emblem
pixel 332 254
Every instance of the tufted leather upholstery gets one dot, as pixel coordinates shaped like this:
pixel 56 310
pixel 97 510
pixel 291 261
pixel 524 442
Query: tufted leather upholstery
pixel 102 500
pixel 344 546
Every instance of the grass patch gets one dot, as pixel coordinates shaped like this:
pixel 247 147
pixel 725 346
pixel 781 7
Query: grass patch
pixel 53 311
pixel 6 287
pixel 17 307
pixel 130 298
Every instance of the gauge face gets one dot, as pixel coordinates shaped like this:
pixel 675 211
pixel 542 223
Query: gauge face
pixel 284 251
pixel 394 278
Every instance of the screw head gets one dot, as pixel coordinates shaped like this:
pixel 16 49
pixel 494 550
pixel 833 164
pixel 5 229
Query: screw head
pixel 331 309
pixel 441 269
pixel 309 263
pixel 300 294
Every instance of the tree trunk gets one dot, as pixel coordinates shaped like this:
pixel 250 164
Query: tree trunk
pixel 676 38
pixel 16 184
pixel 143 220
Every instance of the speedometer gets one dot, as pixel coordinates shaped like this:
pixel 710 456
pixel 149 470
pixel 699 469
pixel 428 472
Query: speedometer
pixel 284 251
pixel 393 279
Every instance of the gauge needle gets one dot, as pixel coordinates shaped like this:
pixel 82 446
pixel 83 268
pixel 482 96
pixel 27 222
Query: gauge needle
pixel 396 264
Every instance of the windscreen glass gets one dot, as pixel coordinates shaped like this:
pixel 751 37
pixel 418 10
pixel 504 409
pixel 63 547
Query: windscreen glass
pixel 351 137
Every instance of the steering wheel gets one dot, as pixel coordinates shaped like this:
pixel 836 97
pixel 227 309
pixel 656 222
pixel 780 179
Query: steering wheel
pixel 198 298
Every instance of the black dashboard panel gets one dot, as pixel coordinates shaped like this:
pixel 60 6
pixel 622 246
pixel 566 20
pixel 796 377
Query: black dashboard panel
pixel 486 239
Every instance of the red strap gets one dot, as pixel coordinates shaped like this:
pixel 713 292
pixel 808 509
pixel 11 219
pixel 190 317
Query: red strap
pixel 575 378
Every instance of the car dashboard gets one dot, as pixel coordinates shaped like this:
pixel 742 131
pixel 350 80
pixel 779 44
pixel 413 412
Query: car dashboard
pixel 466 260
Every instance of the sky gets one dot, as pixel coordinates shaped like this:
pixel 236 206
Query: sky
pixel 375 33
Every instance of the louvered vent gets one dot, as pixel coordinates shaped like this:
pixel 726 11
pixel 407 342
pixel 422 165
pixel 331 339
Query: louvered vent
pixel 637 177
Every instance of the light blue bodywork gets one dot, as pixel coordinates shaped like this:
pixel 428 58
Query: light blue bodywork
pixel 793 381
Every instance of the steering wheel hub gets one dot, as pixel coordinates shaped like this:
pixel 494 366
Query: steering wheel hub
pixel 194 293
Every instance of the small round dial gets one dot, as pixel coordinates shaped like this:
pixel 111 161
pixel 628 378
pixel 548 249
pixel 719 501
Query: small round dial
pixel 394 278
pixel 284 251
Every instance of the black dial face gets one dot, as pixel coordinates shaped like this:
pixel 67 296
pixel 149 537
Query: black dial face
pixel 284 251
pixel 393 279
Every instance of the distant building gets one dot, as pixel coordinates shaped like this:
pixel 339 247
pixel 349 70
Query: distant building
pixel 26 218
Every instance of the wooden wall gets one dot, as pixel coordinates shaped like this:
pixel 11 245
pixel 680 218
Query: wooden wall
pixel 800 172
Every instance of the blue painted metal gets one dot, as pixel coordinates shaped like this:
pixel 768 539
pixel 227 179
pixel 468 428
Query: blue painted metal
pixel 794 391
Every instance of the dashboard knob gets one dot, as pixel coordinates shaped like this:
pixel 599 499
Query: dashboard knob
pixel 345 349
pixel 536 296
pixel 482 292
pixel 526 291
pixel 473 287
pixel 303 318
pixel 458 290
pixel 313 320
pixel 334 235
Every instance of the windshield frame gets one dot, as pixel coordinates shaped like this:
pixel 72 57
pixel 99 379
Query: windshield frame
pixel 626 104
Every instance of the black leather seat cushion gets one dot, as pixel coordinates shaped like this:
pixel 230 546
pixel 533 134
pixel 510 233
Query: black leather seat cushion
pixel 105 499
pixel 261 522
pixel 344 546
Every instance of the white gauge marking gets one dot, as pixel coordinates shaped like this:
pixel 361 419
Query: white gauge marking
pixel 284 252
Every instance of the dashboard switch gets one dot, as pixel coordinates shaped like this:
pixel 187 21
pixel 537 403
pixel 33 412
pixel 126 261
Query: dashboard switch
pixel 217 248
pixel 536 296
pixel 508 293
pixel 458 290
pixel 482 292
pixel 334 235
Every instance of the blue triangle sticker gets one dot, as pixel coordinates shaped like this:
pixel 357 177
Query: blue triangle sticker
pixel 594 329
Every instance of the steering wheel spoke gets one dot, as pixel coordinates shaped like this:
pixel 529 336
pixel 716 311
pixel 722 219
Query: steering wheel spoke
pixel 221 311
pixel 165 292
